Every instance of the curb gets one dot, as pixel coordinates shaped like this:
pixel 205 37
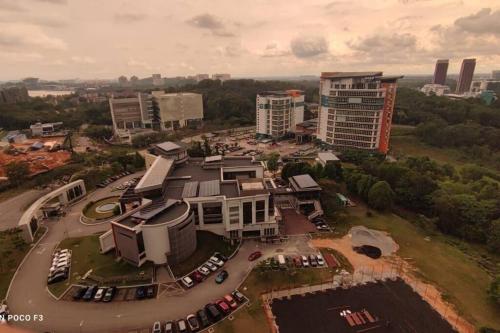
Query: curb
pixel 22 262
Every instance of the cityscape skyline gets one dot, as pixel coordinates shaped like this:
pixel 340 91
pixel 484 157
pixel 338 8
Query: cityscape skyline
pixel 107 42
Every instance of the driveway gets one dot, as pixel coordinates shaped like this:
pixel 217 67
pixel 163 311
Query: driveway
pixel 13 208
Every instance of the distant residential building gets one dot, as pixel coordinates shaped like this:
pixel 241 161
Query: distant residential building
pixel 221 77
pixel 131 114
pixel 435 89
pixel 485 90
pixel 466 75
pixel 201 77
pixel 177 110
pixel 122 80
pixel 495 75
pixel 278 112
pixel 13 95
pixel 157 80
pixel 440 72
pixel 356 109
pixel 45 129
pixel 31 82
pixel 326 157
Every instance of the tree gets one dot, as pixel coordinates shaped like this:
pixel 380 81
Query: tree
pixel 196 150
pixel 206 147
pixel 272 162
pixel 17 172
pixel 333 171
pixel 139 161
pixel 381 196
pixel 494 291
pixel 98 132
pixel 493 240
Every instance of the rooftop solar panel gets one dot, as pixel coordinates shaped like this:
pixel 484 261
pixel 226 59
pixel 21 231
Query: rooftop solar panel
pixel 190 190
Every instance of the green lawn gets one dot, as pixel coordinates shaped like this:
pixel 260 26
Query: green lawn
pixel 208 243
pixel 86 256
pixel 438 260
pixel 252 319
pixel 91 212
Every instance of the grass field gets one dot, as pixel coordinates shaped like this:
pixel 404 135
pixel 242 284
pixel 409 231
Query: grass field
pixel 207 244
pixel 460 278
pixel 91 212
pixel 86 256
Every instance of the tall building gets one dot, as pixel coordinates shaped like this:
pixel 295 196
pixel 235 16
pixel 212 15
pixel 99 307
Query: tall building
pixel 157 80
pixel 278 112
pixel 131 114
pixel 440 71
pixel 466 74
pixel 495 75
pixel 221 77
pixel 201 77
pixel 356 109
pixel 178 110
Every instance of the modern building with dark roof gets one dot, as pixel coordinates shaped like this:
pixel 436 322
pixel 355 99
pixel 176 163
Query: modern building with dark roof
pixel 225 195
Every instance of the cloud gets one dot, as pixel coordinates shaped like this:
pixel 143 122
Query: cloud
pixel 55 2
pixel 273 50
pixel 211 23
pixel 42 21
pixel 308 46
pixel 12 6
pixel 83 60
pixel 483 22
pixel 139 63
pixel 19 36
pixel 20 56
pixel 129 17
pixel 233 50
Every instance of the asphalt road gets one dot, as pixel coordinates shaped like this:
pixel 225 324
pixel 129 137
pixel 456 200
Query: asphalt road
pixel 12 209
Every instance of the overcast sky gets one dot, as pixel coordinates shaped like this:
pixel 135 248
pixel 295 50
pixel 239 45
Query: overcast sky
pixel 61 39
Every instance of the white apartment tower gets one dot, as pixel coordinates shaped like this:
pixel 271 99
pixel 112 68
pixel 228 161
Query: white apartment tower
pixel 278 112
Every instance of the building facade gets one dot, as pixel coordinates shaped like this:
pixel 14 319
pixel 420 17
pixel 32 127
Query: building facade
pixel 131 114
pixel 466 75
pixel 201 77
pixel 157 80
pixel 440 72
pixel 221 77
pixel 495 75
pixel 179 110
pixel 435 89
pixel 278 112
pixel 356 109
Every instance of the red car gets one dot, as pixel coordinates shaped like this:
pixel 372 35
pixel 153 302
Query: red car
pixel 223 306
pixel 254 256
pixel 230 300
pixel 197 276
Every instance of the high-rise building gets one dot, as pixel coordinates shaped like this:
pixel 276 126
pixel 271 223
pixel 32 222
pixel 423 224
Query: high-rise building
pixel 221 77
pixel 201 77
pixel 157 80
pixel 495 75
pixel 131 114
pixel 356 109
pixel 278 112
pixel 178 110
pixel 440 71
pixel 466 74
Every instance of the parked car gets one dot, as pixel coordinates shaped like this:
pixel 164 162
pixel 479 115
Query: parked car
pixel 238 296
pixel 231 302
pixel 221 256
pixel 210 266
pixel 63 270
pixel 322 227
pixel 140 292
pixel 312 260
pixel 89 293
pixel 223 306
pixel 109 295
pixel 78 294
pixel 305 261
pixel 57 278
pixel 204 270
pixel 320 260
pixel 203 318
pixel 297 262
pixel 156 327
pixel 181 326
pixel 221 277
pixel 150 291
pixel 187 282
pixel 193 323
pixel 197 276
pixel 216 261
pixel 213 312
pixel 254 256
pixel 99 294
pixel 169 327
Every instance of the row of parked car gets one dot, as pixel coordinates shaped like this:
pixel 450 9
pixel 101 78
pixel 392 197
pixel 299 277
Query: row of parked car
pixel 209 315
pixel 59 270
pixel 95 293
pixel 201 273
pixel 303 261
pixel 111 179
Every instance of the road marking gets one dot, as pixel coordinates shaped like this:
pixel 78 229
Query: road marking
pixel 30 301
pixel 119 315
pixel 42 250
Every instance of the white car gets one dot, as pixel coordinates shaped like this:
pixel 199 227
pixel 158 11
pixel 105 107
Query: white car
pixel 216 261
pixel 204 270
pixel 62 255
pixel 187 282
pixel 320 260
pixel 210 266
pixel 58 266
pixel 59 260
pixel 305 261
pixel 99 294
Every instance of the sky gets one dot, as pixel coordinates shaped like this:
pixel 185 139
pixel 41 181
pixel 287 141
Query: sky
pixel 90 39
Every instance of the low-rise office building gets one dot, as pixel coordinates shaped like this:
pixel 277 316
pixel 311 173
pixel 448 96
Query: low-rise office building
pixel 177 110
pixel 45 129
pixel 435 89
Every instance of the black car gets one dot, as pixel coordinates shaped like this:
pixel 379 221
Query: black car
pixel 203 318
pixel 194 325
pixel 220 256
pixel 109 294
pixel 140 292
pixel 150 291
pixel 78 294
pixel 238 296
pixel 213 313
pixel 57 278
pixel 89 294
